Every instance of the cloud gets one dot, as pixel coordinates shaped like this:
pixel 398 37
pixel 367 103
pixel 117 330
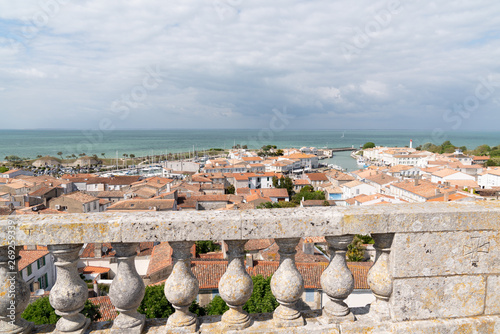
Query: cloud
pixel 228 63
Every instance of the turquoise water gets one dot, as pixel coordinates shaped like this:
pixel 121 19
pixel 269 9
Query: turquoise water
pixel 30 143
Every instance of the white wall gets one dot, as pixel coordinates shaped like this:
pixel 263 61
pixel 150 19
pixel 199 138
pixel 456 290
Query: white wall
pixel 36 273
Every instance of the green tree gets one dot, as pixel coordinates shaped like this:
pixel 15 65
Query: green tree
pixel 495 152
pixel 356 250
pixel 284 182
pixel 60 154
pixel 155 304
pixel 261 301
pixel 217 306
pixel 132 156
pixel 206 246
pixel 41 312
pixel 368 145
pixel 276 205
pixel 366 239
pixel 481 150
pixel 12 158
pixel 3 169
pixel 230 190
pixel 308 193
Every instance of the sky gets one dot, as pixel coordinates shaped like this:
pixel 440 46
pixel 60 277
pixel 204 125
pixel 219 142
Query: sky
pixel 308 64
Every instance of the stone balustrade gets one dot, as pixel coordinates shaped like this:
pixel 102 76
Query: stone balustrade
pixel 437 269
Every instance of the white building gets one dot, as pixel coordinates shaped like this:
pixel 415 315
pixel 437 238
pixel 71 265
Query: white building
pixel 355 188
pixel 37 269
pixel 489 178
pixel 445 175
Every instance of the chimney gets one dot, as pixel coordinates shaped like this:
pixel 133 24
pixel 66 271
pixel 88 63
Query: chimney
pixel 249 261
pixel 96 288
pixel 416 181
pixel 446 197
pixel 308 247
pixel 97 250
pixel 438 191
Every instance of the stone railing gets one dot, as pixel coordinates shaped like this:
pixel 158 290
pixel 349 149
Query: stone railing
pixel 437 269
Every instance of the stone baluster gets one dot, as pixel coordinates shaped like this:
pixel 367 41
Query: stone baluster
pixel 337 281
pixel 236 287
pixel 182 287
pixel 287 286
pixel 379 277
pixel 70 292
pixel 14 293
pixel 127 291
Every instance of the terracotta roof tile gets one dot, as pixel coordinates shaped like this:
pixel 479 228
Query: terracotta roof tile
pixel 30 256
pixel 106 308
pixel 317 176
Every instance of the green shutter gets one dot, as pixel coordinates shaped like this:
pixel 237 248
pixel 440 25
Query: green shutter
pixel 46 281
pixel 29 269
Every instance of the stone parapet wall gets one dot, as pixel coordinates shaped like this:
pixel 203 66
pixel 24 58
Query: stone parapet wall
pixel 437 268
pixel 251 224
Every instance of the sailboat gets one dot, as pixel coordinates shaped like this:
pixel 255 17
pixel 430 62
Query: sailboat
pixel 343 135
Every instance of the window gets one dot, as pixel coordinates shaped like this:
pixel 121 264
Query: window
pixel 309 295
pixel 43 281
pixel 215 292
pixel 40 262
pixel 28 268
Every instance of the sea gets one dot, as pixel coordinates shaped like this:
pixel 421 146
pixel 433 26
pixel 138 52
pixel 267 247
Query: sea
pixel 31 143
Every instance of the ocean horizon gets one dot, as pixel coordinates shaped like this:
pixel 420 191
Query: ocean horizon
pixel 30 143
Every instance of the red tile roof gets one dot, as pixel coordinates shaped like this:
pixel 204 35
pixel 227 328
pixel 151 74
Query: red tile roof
pixel 209 273
pixel 317 176
pixel 30 256
pixel 161 257
pixel 93 270
pixel 106 308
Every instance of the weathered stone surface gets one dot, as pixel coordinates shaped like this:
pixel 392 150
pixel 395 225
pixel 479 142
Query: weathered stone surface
pixel 181 288
pixel 126 291
pixel 493 295
pixel 287 285
pixel 14 293
pixel 70 292
pixel 380 278
pixel 236 287
pixel 365 220
pixel 337 281
pixel 446 253
pixel 251 224
pixel 453 216
pixel 438 297
pixel 479 325
pixel 182 225
pixel 60 229
pixel 285 223
pixel 263 325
